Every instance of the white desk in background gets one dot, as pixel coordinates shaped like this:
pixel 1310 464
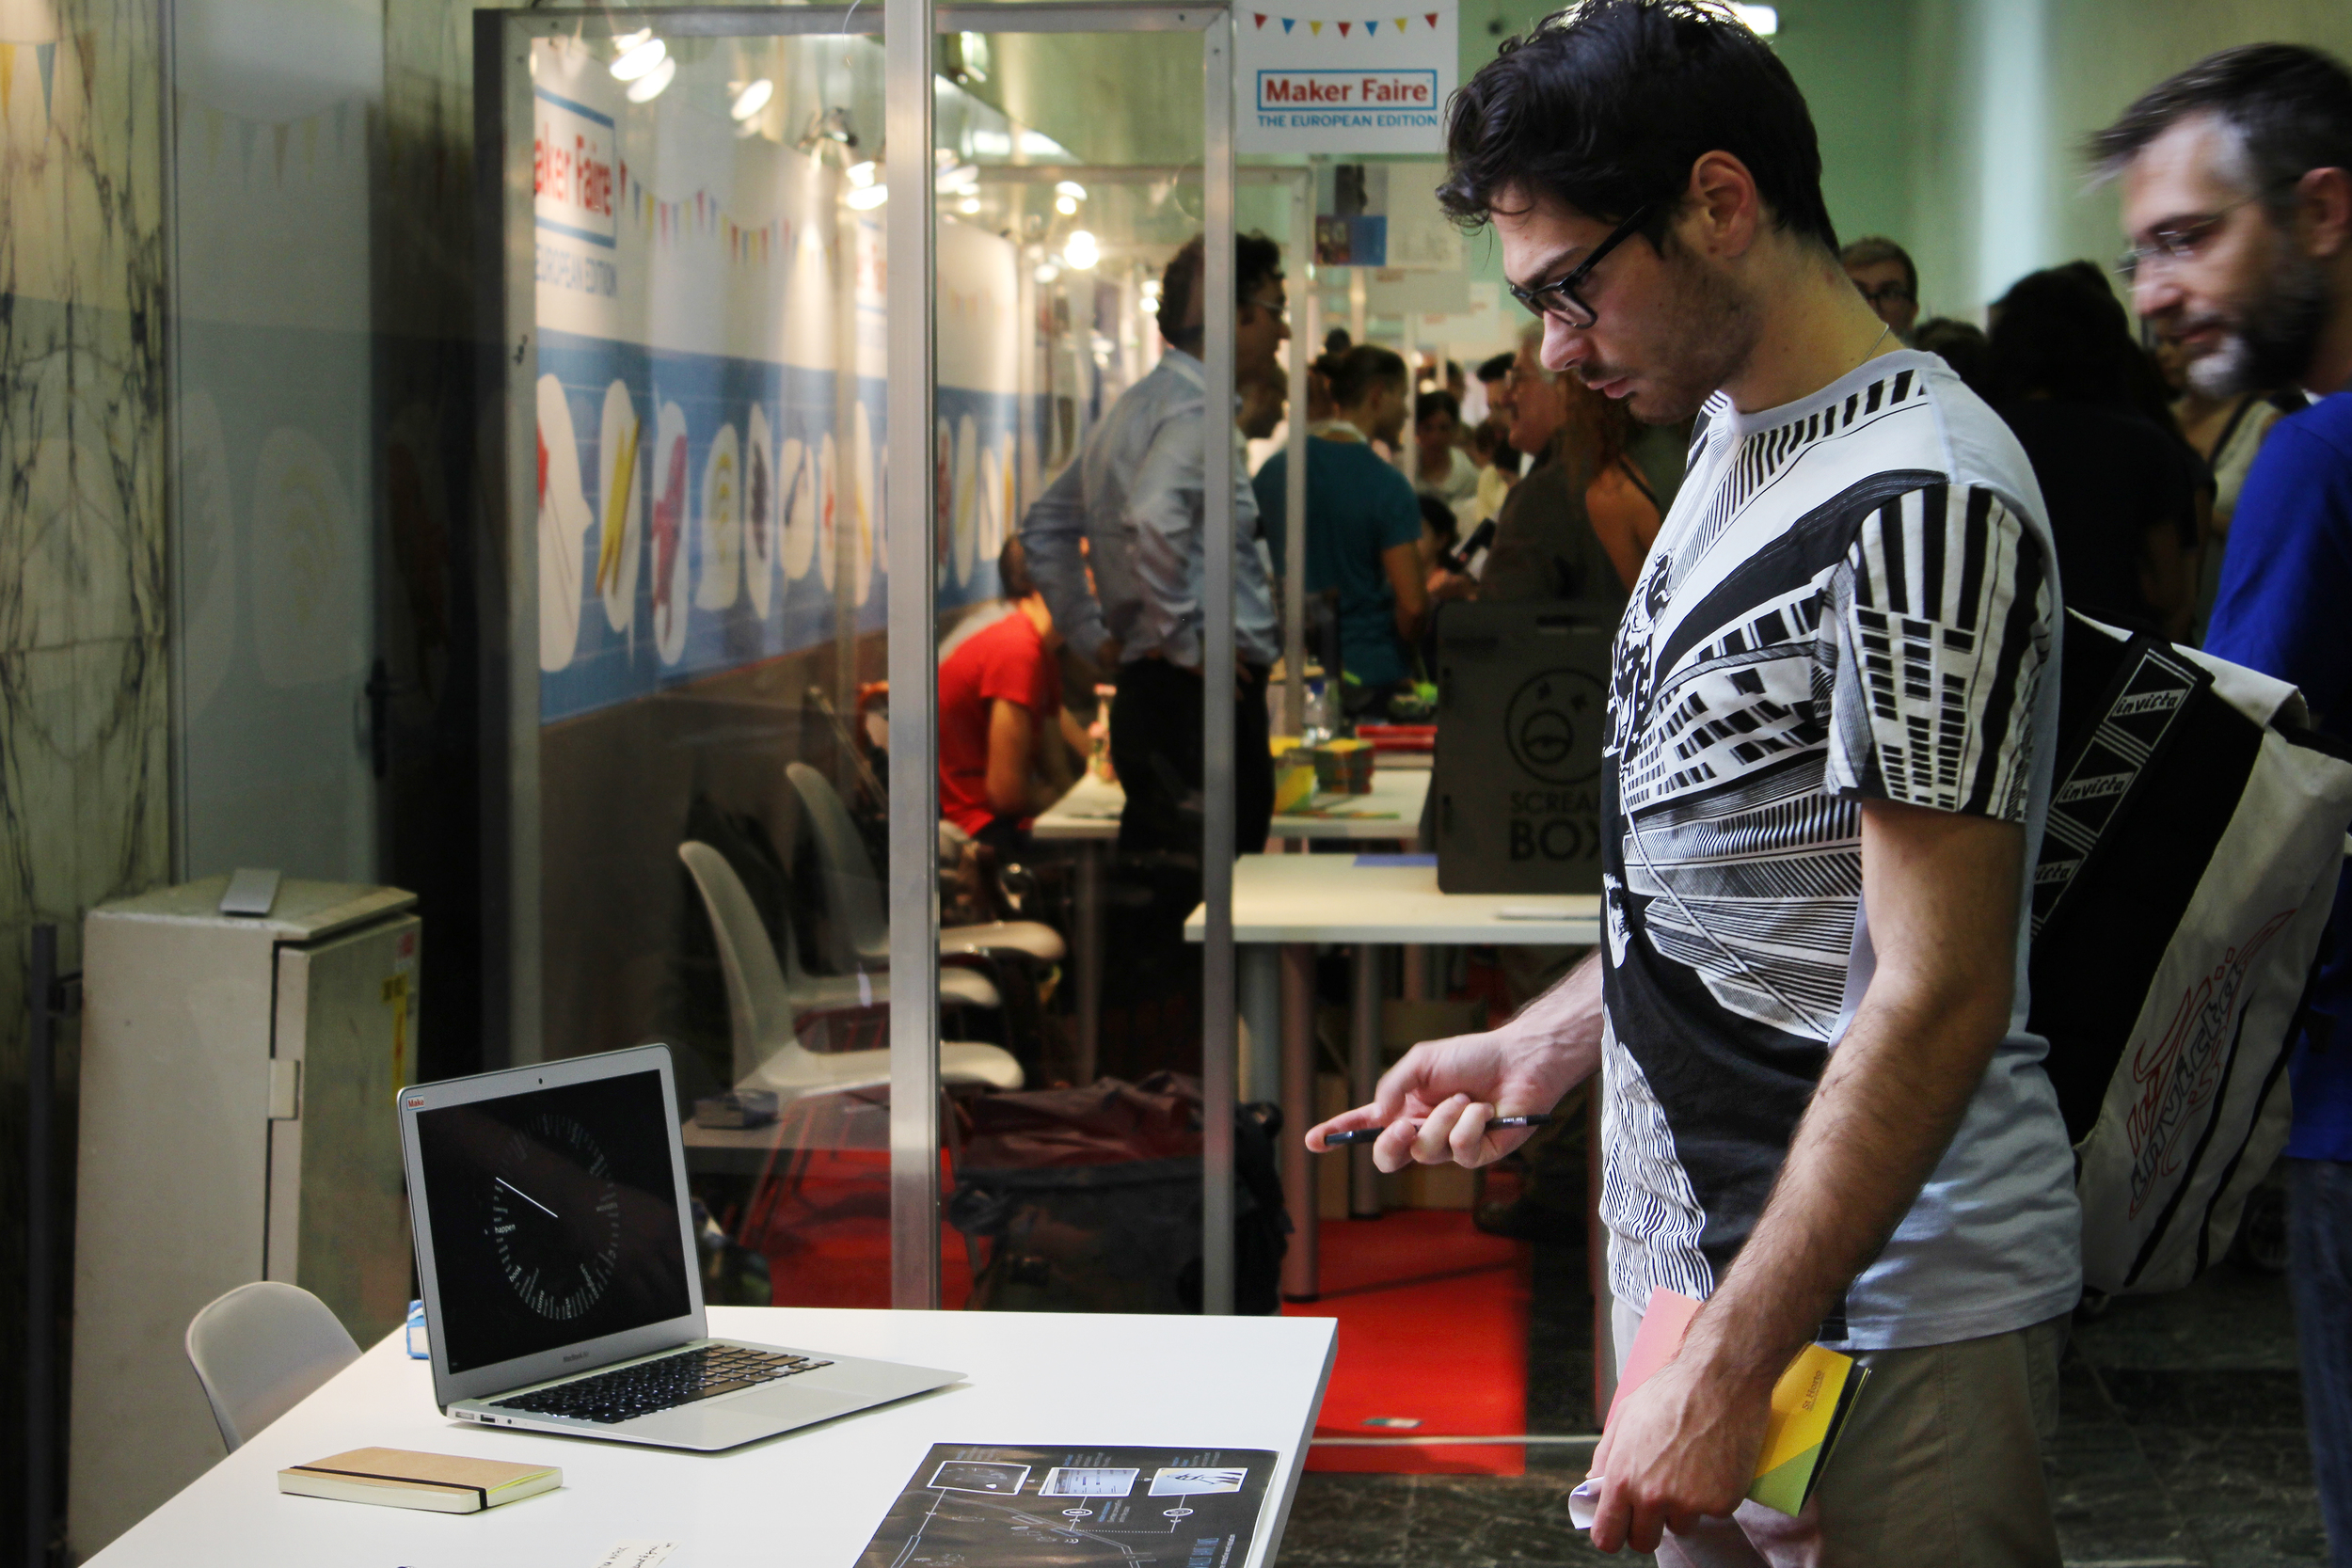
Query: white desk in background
pixel 813 1496
pixel 1089 817
pixel 1286 904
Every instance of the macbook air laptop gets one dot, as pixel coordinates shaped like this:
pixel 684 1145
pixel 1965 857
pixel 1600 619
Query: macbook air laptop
pixel 555 1245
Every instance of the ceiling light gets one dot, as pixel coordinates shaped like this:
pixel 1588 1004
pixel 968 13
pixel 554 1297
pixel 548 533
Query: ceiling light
pixel 1047 272
pixel 648 86
pixel 968 206
pixel 862 175
pixel 752 98
pixel 1080 250
pixel 1763 20
pixel 1072 189
pixel 959 179
pixel 1063 205
pixel 639 59
pixel 866 197
pixel 627 42
pixel 1149 304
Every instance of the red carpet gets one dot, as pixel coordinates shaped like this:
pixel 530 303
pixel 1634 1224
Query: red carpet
pixel 1432 1325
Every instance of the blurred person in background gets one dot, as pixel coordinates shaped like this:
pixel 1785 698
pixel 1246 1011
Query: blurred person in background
pixel 1577 525
pixel 2122 490
pixel 1363 527
pixel 1116 544
pixel 1883 274
pixel 1007 749
pixel 2236 179
pixel 1440 467
pixel 1960 345
pixel 2226 432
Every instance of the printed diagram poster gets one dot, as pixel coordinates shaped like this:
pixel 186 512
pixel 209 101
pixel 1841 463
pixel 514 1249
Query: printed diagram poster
pixel 972 1506
pixel 1322 77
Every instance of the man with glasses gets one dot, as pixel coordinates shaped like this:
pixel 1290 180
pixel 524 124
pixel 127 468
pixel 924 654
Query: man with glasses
pixel 1883 274
pixel 1116 546
pixel 1835 678
pixel 2236 178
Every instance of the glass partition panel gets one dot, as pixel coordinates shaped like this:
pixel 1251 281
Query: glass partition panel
pixel 701 351
pixel 700 788
pixel 1072 165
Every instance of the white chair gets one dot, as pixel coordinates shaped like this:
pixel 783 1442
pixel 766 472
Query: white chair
pixel 260 1351
pixel 761 1013
pixel 853 893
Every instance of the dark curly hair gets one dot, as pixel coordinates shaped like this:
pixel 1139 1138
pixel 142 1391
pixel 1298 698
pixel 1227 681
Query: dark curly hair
pixel 1257 261
pixel 1606 106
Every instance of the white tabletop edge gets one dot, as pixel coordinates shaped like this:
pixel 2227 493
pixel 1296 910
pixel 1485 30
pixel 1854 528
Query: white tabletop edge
pixel 1248 1376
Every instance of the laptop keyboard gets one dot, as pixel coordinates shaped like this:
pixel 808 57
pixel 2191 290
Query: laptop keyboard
pixel 664 1384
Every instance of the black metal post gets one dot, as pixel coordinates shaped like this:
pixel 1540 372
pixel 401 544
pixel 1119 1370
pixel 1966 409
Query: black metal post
pixel 40 1304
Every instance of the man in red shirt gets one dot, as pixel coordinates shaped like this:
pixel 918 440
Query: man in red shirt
pixel 1002 755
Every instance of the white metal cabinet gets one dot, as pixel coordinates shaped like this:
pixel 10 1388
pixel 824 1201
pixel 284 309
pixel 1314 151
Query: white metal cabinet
pixel 236 1124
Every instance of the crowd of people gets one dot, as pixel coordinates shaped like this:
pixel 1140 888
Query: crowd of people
pixel 1835 684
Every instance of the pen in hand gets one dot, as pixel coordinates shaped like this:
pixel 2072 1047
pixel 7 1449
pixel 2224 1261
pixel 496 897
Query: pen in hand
pixel 1499 1124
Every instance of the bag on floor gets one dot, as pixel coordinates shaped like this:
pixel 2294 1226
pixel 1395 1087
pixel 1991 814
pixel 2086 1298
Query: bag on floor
pixel 2196 831
pixel 1087 1199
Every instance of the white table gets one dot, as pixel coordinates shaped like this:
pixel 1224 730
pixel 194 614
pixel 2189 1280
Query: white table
pixel 1282 906
pixel 1089 817
pixel 809 1499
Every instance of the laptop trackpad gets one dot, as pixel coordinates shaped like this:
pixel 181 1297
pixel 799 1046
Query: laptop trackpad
pixel 767 1411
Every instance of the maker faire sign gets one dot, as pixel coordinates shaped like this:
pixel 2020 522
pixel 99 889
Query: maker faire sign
pixel 1335 80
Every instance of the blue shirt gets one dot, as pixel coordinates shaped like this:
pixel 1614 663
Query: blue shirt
pixel 1135 495
pixel 1356 507
pixel 2286 588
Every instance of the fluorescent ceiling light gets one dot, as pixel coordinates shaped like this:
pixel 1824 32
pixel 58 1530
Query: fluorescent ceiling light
pixel 639 59
pixel 1151 288
pixel 968 206
pixel 866 197
pixel 1072 189
pixel 1080 250
pixel 963 177
pixel 862 175
pixel 627 42
pixel 1149 304
pixel 1047 272
pixel 752 98
pixel 1763 20
pixel 1065 206
pixel 648 86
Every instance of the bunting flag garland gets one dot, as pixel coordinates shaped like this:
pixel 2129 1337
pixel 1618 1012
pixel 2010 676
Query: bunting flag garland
pixel 1370 25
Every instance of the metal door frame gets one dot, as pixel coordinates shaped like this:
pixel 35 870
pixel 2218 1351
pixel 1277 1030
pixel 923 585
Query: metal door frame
pixel 514 980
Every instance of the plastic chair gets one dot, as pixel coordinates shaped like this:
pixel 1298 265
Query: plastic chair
pixel 761 1011
pixel 260 1351
pixel 853 893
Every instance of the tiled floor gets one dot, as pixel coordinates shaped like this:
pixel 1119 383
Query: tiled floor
pixel 2182 1447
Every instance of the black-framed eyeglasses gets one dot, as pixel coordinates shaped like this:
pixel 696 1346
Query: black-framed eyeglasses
pixel 1562 297
pixel 1885 291
pixel 2176 241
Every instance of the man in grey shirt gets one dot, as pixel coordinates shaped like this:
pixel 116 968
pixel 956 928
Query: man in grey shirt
pixel 1131 512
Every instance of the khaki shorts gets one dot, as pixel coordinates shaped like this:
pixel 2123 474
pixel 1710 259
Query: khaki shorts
pixel 1939 1466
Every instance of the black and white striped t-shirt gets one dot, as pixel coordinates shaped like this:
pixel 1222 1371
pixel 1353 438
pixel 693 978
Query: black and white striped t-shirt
pixel 1853 599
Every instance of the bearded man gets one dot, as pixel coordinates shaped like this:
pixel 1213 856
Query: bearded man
pixel 2236 178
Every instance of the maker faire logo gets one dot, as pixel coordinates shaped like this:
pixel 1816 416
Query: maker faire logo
pixel 1366 97
pixel 571 169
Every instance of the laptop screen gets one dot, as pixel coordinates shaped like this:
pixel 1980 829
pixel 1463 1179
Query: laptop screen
pixel 555 1218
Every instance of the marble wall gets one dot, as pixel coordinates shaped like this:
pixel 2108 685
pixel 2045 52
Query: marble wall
pixel 84 795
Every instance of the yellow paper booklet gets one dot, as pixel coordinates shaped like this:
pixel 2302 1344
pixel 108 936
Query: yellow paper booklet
pixel 1810 1403
pixel 401 1477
